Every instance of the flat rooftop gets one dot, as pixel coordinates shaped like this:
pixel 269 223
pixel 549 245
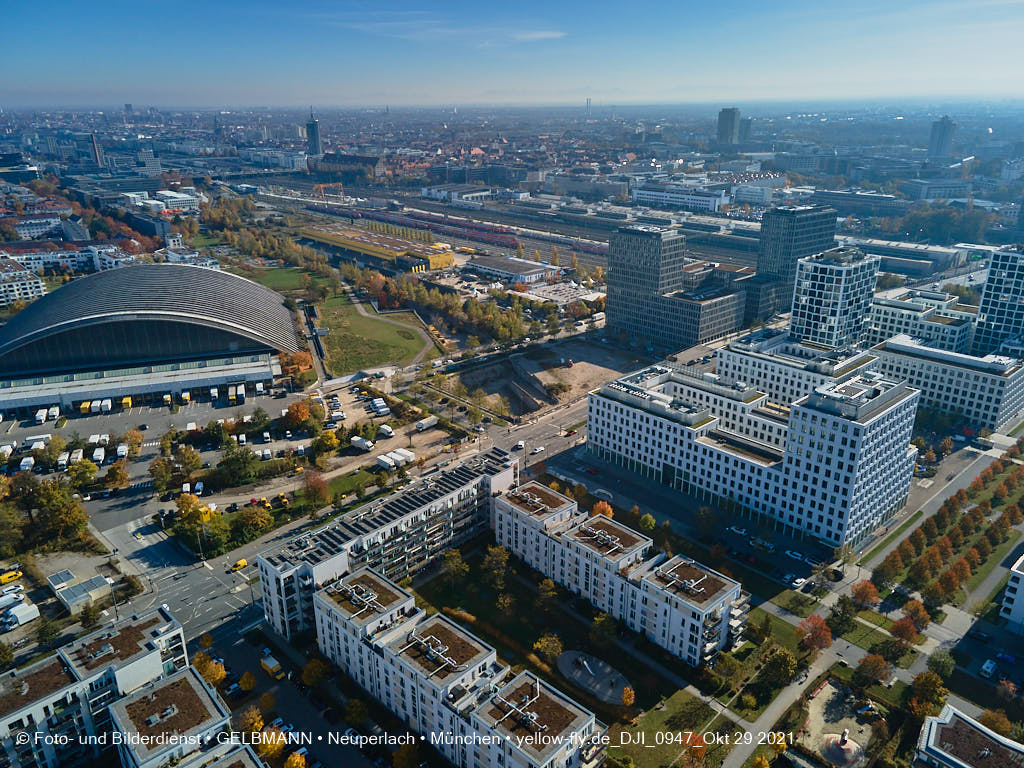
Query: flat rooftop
pixel 364 594
pixel 689 580
pixel 536 717
pixel 954 738
pixel 332 539
pixel 536 499
pixel 607 537
pixel 174 706
pixel 23 687
pixel 440 648
pixel 118 643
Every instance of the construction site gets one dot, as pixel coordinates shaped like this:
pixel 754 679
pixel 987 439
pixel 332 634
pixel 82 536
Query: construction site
pixel 548 375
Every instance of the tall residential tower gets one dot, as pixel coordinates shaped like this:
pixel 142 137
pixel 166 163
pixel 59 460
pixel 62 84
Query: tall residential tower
pixel 832 296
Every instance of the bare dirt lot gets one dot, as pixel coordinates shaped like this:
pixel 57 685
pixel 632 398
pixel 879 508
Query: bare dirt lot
pixel 524 379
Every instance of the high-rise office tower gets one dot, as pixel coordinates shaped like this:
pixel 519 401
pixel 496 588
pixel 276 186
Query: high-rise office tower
pixel 746 128
pixel 127 109
pixel 788 234
pixel 832 296
pixel 96 151
pixel 941 142
pixel 644 263
pixel 313 135
pixel 1001 314
pixel 588 107
pixel 729 126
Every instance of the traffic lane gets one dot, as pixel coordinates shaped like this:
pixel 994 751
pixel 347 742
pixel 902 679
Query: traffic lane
pixel 294 706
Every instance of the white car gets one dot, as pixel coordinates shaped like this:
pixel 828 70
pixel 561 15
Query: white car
pixel 538 449
pixel 737 530
pixel 520 445
pixel 795 555
pixel 12 590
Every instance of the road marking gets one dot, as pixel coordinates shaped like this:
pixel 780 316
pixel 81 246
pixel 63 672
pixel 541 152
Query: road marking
pixel 207 565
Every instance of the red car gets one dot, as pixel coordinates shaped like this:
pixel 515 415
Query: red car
pixel 570 433
pixel 591 471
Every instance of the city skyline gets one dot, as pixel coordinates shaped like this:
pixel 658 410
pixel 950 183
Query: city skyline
pixel 354 55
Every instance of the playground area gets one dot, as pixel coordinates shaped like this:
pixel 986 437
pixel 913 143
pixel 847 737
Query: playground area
pixel 591 674
pixel 838 725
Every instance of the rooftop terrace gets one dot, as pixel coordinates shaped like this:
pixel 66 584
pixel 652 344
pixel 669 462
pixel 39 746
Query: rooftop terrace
pixel 606 537
pixel 690 580
pixel 440 648
pixel 535 716
pixel 23 687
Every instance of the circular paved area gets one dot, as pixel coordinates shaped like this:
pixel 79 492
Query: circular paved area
pixel 599 678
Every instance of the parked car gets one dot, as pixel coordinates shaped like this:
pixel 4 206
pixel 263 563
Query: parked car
pixel 795 555
pixel 737 530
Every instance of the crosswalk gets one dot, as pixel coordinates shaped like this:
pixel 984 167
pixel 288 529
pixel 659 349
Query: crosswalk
pixel 151 444
pixel 141 484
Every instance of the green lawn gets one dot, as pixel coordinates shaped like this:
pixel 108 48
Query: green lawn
pixel 783 632
pixel 663 731
pixel 997 556
pixel 868 638
pixel 203 240
pixel 796 603
pixel 891 697
pixel 876 618
pixel 891 538
pixel 280 278
pixel 356 342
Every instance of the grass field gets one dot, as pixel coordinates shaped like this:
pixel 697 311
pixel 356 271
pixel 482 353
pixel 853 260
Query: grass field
pixel 203 240
pixel 280 278
pixel 658 736
pixel 356 342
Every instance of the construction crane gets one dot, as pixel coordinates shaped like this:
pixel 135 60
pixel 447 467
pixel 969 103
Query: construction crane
pixel 321 189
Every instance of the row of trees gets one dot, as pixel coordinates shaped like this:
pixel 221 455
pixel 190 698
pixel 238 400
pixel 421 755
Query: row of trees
pixel 948 547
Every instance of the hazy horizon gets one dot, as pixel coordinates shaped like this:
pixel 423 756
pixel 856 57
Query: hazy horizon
pixel 358 55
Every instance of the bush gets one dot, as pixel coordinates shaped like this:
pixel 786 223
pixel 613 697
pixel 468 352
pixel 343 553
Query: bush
pixel 748 701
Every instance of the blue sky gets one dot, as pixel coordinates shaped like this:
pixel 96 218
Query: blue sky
pixel 259 52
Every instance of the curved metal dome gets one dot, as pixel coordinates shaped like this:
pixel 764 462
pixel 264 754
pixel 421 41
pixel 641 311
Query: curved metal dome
pixel 173 295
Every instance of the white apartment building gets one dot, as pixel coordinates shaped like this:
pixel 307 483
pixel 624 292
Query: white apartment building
pixel 444 682
pixel 988 391
pixel 680 196
pixel 70 693
pixel 680 605
pixel 1013 598
pixel 90 258
pixel 181 201
pixel 936 317
pixel 18 283
pixel 174 254
pixel 779 365
pixel 30 227
pixel 951 739
pixel 833 465
pixel 832 296
pixel 396 536
pixel 181 720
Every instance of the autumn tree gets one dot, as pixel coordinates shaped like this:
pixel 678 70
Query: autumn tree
pixel 406 756
pixel 916 612
pixel 928 688
pixel 295 760
pixel 780 667
pixel 873 668
pixel 628 696
pixel 206 640
pixel 814 634
pixel 549 646
pixel 603 508
pixel 271 742
pixel 547 595
pixel 905 630
pixel 266 702
pixel 82 472
pixel 117 475
pixel 247 681
pixel 314 673
pixel 211 671
pixel 454 566
pixel 647 523
pixel 505 604
pixel 495 566
pixel 250 720
pixel 315 489
pixel 942 664
pixel 865 594
pixel 996 720
pixel 356 711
